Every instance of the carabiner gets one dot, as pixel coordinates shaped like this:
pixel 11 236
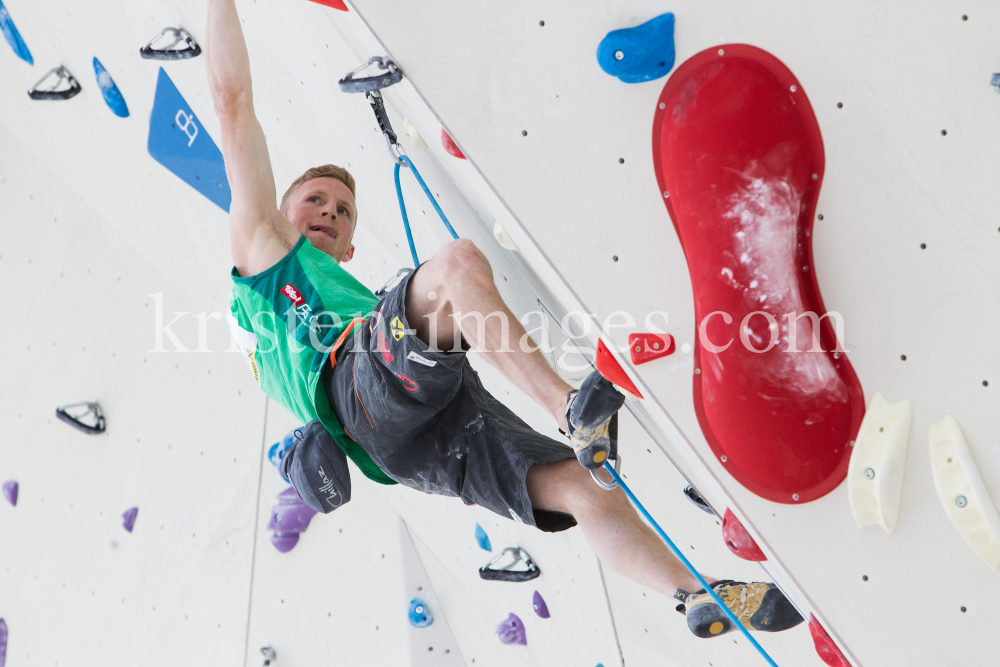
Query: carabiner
pixel 505 573
pixel 605 485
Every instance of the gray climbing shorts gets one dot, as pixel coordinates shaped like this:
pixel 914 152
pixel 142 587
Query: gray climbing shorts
pixel 426 420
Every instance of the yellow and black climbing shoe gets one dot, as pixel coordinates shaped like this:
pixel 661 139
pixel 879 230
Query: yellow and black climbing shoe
pixel 592 417
pixel 759 606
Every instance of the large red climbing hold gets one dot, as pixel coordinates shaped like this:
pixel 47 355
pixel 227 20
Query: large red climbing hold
pixel 739 541
pixel 645 347
pixel 825 646
pixel 739 160
pixel 336 4
pixel 450 145
pixel 612 371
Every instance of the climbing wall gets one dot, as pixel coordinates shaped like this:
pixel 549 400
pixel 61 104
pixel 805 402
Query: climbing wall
pixel 559 154
pixel 896 212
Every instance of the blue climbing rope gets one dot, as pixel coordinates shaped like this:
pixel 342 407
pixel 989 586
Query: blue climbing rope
pixel 402 205
pixel 686 562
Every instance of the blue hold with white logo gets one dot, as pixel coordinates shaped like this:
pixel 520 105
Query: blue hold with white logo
pixel 179 142
pixel 419 615
pixel 112 96
pixel 638 54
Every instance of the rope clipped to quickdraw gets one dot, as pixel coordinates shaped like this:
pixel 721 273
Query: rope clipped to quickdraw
pixel 404 160
pixel 680 556
pixel 371 86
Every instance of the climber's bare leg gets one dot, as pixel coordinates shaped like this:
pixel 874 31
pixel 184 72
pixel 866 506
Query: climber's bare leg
pixel 458 280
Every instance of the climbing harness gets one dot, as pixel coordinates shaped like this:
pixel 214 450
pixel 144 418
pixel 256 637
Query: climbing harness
pixel 53 92
pixel 371 87
pixel 680 556
pixel 168 52
pixel 505 573
pixel 392 282
pixel 76 421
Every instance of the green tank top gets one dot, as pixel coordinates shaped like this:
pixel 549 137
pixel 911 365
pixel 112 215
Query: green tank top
pixel 285 321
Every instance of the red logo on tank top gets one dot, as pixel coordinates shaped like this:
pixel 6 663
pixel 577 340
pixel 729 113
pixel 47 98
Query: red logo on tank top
pixel 408 384
pixel 293 294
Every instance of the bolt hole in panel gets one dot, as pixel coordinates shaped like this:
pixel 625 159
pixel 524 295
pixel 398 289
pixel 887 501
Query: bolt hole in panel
pixel 737 147
pixel 962 491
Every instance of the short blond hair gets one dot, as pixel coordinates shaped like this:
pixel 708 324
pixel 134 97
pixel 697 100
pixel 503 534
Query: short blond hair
pixel 326 170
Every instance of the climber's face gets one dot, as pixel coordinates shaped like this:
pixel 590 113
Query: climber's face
pixel 323 209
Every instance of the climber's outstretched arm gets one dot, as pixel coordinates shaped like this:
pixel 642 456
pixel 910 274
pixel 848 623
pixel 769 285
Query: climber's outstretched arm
pixel 259 235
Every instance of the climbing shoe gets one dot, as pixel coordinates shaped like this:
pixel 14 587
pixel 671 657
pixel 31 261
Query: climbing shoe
pixel 759 606
pixel 592 415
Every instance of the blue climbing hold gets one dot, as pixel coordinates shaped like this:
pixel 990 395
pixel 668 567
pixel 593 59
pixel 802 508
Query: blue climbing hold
pixel 112 95
pixel 179 142
pixel 3 642
pixel 483 539
pixel 278 449
pixel 420 616
pixel 9 31
pixel 638 54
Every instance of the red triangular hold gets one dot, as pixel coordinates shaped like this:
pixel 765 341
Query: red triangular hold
pixel 739 541
pixel 450 145
pixel 336 4
pixel 612 371
pixel 825 646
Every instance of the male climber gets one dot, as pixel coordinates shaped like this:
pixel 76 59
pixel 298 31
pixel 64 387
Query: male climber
pixel 383 392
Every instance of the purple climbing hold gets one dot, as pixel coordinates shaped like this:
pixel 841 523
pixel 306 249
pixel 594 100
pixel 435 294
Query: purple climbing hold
pixel 128 518
pixel 3 642
pixel 511 631
pixel 10 492
pixel 283 542
pixel 289 517
pixel 538 604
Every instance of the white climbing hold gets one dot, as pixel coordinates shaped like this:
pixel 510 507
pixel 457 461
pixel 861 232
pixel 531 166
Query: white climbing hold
pixel 503 238
pixel 957 476
pixel 875 474
pixel 412 134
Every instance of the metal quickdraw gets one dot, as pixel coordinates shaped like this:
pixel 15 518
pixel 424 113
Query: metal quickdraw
pixel 370 86
pixel 505 573
pixel 53 93
pixel 76 421
pixel 612 485
pixel 168 52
